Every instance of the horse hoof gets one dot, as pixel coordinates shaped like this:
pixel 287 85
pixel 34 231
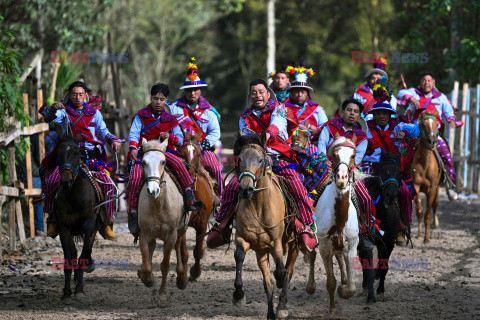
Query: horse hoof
pixel 162 300
pixel 311 289
pixel 344 293
pixel 67 299
pixel 420 236
pixel 80 296
pixel 181 284
pixel 239 302
pixel 282 314
pixel 192 279
pixel 380 297
pixel 370 302
pixel 435 223
pixel 426 241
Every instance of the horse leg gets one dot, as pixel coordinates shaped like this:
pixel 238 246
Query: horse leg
pixel 199 250
pixel 264 265
pixel 145 273
pixel 239 294
pixel 368 271
pixel 428 215
pixel 182 259
pixel 281 279
pixel 66 239
pixel 91 264
pixel 86 255
pixel 168 245
pixel 434 224
pixel 311 285
pixel 331 282
pixel 346 292
pixel 419 210
pixel 384 253
pixel 343 271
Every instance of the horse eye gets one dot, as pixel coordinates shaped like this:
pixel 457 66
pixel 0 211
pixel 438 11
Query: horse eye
pixel 162 162
pixel 260 160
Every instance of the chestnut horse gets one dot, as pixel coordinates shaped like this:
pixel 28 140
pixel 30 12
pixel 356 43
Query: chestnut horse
pixel 161 215
pixel 261 216
pixel 301 140
pixel 337 224
pixel 426 172
pixel 204 192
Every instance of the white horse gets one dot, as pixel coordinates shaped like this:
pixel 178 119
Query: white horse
pixel 160 215
pixel 337 224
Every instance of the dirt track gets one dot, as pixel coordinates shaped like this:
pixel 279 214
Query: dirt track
pixel 444 286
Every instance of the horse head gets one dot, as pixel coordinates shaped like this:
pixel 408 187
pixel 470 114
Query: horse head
pixel 301 140
pixel 252 162
pixel 154 165
pixel 428 124
pixel 389 171
pixel 69 158
pixel 191 151
pixel 342 152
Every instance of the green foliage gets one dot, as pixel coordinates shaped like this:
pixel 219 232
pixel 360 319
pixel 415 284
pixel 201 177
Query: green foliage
pixel 11 101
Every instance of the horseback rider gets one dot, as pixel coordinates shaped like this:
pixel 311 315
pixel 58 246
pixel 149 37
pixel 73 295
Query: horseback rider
pixel 266 114
pixel 280 84
pixel 364 92
pixel 194 113
pixel 387 133
pixel 77 115
pixel 154 123
pixel 303 113
pixel 426 95
pixel 347 126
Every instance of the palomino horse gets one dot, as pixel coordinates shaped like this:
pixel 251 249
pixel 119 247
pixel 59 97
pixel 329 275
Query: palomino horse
pixel 161 215
pixel 384 187
pixel 301 140
pixel 74 212
pixel 337 224
pixel 426 171
pixel 204 192
pixel 261 216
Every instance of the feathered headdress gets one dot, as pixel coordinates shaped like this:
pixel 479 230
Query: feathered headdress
pixel 281 70
pixel 382 95
pixel 301 75
pixel 193 80
pixel 379 66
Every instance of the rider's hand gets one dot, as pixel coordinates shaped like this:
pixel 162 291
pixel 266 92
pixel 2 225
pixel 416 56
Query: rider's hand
pixel 415 102
pixel 115 146
pixel 164 135
pixel 267 135
pixel 58 106
pixel 303 127
pixel 400 135
pixel 451 123
pixel 134 154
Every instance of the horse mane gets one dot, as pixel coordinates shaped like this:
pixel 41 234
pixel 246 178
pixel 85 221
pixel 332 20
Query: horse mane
pixel 244 139
pixel 338 141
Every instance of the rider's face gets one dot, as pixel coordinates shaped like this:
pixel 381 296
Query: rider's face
pixel 77 96
pixel 372 80
pixel 158 102
pixel 192 95
pixel 280 81
pixel 259 96
pixel 299 96
pixel 381 117
pixel 427 84
pixel 351 114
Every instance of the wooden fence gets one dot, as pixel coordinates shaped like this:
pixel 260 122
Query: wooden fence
pixel 463 141
pixel 15 189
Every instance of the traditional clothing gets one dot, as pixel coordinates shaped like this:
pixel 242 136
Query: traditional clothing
pixel 146 125
pixel 94 134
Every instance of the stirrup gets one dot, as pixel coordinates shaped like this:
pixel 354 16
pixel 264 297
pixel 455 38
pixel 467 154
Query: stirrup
pixel 107 233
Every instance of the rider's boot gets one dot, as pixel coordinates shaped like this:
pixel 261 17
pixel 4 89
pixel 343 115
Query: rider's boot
pixel 306 233
pixel 191 203
pixel 220 232
pixel 401 239
pixel 133 222
pixel 107 232
pixel 452 195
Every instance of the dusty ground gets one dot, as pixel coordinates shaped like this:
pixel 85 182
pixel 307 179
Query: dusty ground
pixel 446 287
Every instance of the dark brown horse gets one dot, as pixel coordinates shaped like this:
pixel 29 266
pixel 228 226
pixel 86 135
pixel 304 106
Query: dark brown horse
pixel 74 212
pixel 204 192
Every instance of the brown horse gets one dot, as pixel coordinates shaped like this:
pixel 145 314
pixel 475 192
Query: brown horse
pixel 301 140
pixel 204 192
pixel 261 216
pixel 426 171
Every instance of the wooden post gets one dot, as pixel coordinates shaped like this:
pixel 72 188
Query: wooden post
pixel 12 176
pixel 461 172
pixel 41 144
pixel 476 133
pixel 28 162
pixel 451 141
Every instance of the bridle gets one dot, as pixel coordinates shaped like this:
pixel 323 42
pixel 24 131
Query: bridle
pixel 350 170
pixel 153 178
pixel 191 164
pixel 260 173
pixel 69 167
pixel 423 133
pixel 298 143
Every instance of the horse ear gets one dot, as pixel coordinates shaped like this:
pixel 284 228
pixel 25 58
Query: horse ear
pixel 164 145
pixel 144 141
pixel 198 135
pixel 354 139
pixel 263 139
